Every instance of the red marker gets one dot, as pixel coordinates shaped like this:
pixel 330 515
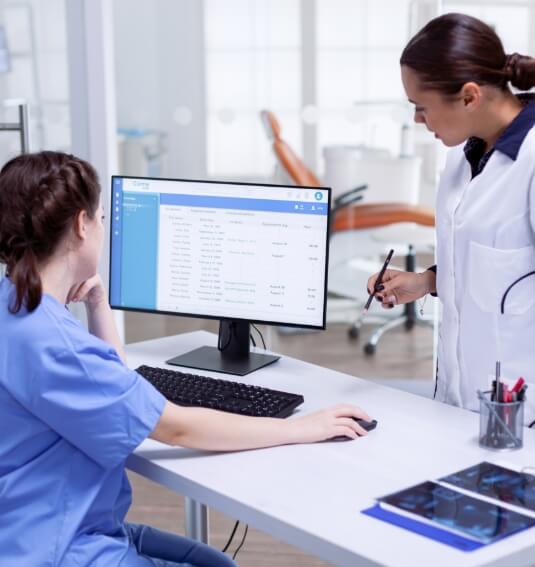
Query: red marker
pixel 519 383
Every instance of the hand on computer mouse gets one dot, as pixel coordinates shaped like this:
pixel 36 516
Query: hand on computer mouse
pixel 367 425
pixel 338 421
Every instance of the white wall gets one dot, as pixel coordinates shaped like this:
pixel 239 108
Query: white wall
pixel 159 69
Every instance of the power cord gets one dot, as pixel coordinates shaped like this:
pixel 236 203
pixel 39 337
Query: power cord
pixel 227 545
pixel 231 538
pixel 261 336
pixel 231 333
pixel 252 339
pixel 241 542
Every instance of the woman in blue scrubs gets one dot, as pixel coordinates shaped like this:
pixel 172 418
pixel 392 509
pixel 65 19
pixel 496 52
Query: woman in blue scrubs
pixel 457 74
pixel 71 411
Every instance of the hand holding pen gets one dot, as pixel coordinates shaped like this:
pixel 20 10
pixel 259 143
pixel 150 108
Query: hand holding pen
pixel 397 287
pixel 378 282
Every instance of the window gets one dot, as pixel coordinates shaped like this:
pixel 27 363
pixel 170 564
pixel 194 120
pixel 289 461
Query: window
pixel 360 95
pixel 253 50
pixel 264 53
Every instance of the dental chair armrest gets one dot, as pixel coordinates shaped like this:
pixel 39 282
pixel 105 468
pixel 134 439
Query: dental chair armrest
pixel 373 215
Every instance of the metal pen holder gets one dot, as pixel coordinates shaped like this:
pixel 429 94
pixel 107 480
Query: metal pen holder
pixel 501 425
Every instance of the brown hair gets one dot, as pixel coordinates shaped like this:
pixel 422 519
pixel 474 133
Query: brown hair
pixel 454 49
pixel 40 197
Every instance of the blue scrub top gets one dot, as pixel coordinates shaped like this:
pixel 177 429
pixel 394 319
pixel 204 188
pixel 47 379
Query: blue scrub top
pixel 70 414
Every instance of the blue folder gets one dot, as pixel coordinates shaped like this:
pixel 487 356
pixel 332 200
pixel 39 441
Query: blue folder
pixel 437 534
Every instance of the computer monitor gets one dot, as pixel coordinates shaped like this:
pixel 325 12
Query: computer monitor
pixel 238 252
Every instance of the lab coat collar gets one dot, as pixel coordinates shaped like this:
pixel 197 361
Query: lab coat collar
pixel 509 142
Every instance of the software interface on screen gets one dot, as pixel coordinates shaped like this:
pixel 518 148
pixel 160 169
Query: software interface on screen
pixel 219 250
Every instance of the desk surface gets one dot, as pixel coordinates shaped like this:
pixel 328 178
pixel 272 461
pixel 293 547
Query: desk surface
pixel 311 495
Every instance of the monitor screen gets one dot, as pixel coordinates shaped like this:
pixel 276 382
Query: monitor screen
pixel 220 250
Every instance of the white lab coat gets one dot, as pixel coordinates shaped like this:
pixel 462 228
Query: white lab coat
pixel 485 241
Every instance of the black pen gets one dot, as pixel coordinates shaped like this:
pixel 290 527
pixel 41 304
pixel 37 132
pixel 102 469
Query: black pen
pixel 378 281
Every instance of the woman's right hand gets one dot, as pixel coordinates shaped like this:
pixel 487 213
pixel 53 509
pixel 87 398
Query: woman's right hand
pixel 328 423
pixel 400 287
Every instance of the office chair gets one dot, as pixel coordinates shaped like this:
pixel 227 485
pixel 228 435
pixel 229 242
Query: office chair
pixel 348 215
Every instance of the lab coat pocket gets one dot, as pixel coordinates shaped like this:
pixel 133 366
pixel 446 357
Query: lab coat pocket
pixel 492 270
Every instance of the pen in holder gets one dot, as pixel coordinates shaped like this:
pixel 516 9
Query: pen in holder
pixel 501 424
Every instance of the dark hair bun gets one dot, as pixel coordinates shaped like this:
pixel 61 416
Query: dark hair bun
pixel 520 71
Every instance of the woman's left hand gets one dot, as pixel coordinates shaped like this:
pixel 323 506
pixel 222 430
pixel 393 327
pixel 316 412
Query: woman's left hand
pixel 91 292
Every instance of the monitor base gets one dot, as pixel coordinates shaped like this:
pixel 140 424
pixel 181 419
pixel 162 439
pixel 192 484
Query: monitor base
pixel 209 358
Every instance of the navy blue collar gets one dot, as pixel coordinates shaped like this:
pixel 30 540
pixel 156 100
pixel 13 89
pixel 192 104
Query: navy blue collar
pixel 509 142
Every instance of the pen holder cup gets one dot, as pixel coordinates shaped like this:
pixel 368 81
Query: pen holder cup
pixel 501 425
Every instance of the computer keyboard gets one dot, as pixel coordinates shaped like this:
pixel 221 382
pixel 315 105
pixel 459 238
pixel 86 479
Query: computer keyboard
pixel 201 391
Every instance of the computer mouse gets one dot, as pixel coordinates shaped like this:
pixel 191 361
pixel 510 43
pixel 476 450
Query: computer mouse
pixel 367 425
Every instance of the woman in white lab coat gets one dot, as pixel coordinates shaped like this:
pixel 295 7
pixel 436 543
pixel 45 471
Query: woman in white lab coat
pixel 457 75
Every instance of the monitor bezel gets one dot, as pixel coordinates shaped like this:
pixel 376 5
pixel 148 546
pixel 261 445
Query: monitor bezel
pixel 323 326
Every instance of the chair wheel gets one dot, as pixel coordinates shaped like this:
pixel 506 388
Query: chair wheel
pixel 369 348
pixel 353 332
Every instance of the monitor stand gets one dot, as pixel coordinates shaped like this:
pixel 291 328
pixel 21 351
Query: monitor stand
pixel 232 355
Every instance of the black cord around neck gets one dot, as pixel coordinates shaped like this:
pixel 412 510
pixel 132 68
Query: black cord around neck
pixel 504 296
pixel 502 305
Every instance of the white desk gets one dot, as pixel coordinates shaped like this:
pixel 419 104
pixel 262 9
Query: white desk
pixel 311 495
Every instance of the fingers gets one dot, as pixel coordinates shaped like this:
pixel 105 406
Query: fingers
pixel 389 301
pixel 344 431
pixel 388 296
pixel 371 283
pixel 82 291
pixel 351 424
pixel 387 276
pixel 74 293
pixel 393 282
pixel 348 410
pixel 79 293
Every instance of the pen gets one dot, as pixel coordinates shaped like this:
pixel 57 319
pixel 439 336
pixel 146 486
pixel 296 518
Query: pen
pixel 508 395
pixel 518 385
pixel 378 281
pixel 499 388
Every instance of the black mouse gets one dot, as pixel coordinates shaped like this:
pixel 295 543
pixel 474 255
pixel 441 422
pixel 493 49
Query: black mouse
pixel 367 425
